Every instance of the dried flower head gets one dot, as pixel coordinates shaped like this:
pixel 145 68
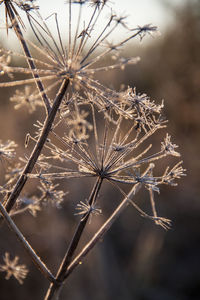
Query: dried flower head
pixel 26 98
pixel 12 268
pixel 168 147
pixel 89 131
pixel 110 152
pixel 50 194
pixel 78 58
pixel 84 208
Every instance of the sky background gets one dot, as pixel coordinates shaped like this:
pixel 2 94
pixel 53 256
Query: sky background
pixel 140 12
pixel 156 12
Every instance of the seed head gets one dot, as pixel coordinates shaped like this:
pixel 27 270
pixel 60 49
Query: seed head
pixel 12 268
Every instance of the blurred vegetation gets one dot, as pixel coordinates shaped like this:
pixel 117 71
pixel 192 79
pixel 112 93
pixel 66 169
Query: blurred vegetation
pixel 136 260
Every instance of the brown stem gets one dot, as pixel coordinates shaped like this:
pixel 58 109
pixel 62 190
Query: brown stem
pixel 38 147
pixel 54 290
pixel 54 287
pixel 105 227
pixel 101 232
pixel 28 56
pixel 37 261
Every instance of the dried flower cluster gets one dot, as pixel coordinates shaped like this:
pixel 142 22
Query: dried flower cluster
pixel 12 268
pixel 89 129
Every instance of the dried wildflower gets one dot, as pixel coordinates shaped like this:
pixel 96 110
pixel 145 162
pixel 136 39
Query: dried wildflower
pixel 50 194
pixel 111 155
pixel 84 208
pixel 146 29
pixel 141 101
pixel 12 268
pixel 175 173
pixel 26 98
pixel 148 180
pixel 77 60
pixel 79 126
pixel 120 20
pixel 168 147
pixel 106 133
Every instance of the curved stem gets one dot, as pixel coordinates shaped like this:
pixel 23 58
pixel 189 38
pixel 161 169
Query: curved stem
pixel 104 228
pixel 101 232
pixel 38 147
pixel 39 264
pixel 53 292
pixel 54 287
pixel 29 58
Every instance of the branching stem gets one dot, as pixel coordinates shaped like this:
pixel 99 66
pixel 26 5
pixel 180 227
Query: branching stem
pixel 38 147
pixel 54 287
pixel 28 56
pixel 37 261
pixel 53 293
pixel 104 228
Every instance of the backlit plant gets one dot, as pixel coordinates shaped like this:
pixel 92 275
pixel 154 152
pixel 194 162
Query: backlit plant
pixel 88 131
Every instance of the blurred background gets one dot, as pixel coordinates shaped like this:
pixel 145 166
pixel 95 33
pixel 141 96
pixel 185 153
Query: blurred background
pixel 136 260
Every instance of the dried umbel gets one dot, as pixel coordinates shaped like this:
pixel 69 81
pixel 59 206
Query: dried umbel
pixel 12 268
pixel 100 148
pixel 78 57
pixel 89 130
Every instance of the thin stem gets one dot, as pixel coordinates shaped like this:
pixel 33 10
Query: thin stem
pixel 54 287
pixel 110 49
pixel 38 147
pixel 37 261
pixel 98 236
pixel 28 56
pixel 101 232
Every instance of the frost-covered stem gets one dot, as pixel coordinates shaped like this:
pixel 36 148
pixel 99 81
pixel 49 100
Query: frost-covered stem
pixel 37 261
pixel 38 147
pixel 52 291
pixel 104 228
pixel 29 58
pixel 94 240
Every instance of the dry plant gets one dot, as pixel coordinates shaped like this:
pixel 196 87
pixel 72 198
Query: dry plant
pixel 89 130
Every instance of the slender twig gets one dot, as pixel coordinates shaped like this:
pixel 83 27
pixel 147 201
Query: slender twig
pixel 104 228
pixel 37 261
pixel 38 147
pixel 79 230
pixel 98 236
pixel 74 243
pixel 67 266
pixel 28 57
